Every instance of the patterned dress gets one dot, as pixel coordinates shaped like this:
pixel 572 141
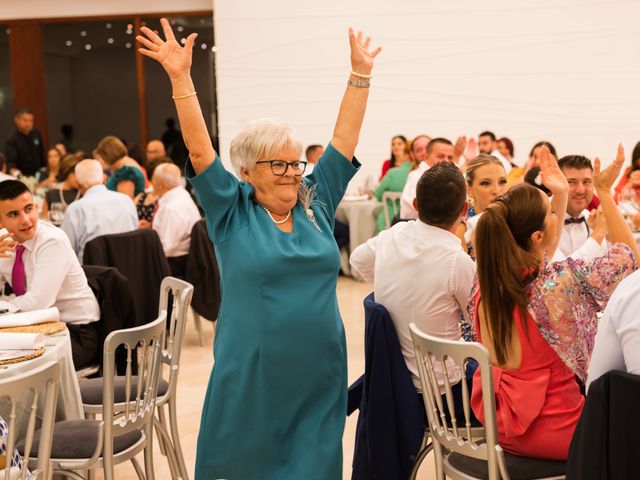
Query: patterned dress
pixel 538 405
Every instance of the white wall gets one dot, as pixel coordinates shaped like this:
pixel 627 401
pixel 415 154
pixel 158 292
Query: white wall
pixel 563 70
pixel 18 9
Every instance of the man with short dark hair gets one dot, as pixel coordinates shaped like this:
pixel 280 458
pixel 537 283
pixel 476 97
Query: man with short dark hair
pixel 583 233
pixel 39 263
pixel 419 270
pixel 312 154
pixel 488 145
pixel 436 150
pixel 24 149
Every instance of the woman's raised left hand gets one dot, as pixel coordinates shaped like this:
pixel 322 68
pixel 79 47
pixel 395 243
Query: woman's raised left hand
pixel 361 57
pixel 603 179
pixel 552 176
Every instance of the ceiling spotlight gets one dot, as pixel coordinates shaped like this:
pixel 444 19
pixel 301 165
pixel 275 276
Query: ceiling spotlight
pixel 203 46
pixel 180 28
pixel 108 25
pixel 128 45
pixel 214 49
pixel 110 41
pixel 83 33
pixel 68 43
pixel 8 31
pixel 129 31
pixel 129 26
pixel 183 40
pixel 87 46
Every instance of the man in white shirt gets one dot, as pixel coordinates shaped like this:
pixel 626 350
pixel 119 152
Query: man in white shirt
pixel 419 270
pixel 99 211
pixel 579 240
pixel 617 343
pixel 39 263
pixel 176 215
pixel 437 150
pixel 488 145
pixel 312 154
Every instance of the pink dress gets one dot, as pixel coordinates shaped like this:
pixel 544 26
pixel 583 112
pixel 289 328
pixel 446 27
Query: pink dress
pixel 539 404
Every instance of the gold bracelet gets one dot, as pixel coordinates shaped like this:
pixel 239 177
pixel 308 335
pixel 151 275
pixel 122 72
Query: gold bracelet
pixel 184 96
pixel 361 75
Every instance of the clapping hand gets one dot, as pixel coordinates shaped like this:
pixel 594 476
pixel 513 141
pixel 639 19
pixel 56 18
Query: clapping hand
pixel 361 57
pixel 603 179
pixel 471 150
pixel 552 176
pixel 175 59
pixel 459 147
pixel 7 245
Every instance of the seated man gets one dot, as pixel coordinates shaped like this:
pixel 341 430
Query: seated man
pixel 419 271
pixel 176 215
pixel 582 236
pixel 99 211
pixel 44 271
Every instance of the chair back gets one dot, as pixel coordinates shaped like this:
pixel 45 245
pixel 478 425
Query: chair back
pixel 43 380
pixel 435 354
pixel 391 206
pixel 175 298
pixel 144 346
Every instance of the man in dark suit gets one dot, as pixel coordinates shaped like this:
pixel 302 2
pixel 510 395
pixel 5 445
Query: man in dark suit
pixel 24 149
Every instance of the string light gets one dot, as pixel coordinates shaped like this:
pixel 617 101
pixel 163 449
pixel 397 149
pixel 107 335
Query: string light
pixel 110 41
pixel 108 25
pixel 83 33
pixel 183 40
pixel 68 43
pixel 203 46
pixel 180 28
pixel 87 46
pixel 128 45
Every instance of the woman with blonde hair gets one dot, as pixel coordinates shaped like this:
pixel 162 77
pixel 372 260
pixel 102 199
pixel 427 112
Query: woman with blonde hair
pixel 486 180
pixel 539 319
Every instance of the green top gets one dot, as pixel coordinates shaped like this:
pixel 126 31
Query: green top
pixel 393 181
pixel 277 397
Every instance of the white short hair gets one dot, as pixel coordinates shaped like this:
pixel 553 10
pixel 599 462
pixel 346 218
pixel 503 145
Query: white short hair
pixel 89 173
pixel 262 139
pixel 169 174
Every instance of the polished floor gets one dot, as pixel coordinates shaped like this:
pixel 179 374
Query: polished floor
pixel 196 366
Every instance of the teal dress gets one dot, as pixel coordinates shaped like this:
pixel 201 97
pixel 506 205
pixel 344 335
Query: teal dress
pixel 277 396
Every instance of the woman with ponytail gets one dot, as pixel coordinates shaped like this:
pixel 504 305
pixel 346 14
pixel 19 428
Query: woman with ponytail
pixel 538 320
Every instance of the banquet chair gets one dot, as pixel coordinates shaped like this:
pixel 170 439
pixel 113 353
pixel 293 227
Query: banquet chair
pixel 178 293
pixel 391 206
pixel 14 389
pixel 125 428
pixel 458 452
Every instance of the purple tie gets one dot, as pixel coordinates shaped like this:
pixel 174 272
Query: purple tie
pixel 18 277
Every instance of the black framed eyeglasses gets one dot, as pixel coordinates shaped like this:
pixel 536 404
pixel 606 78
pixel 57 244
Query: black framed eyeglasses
pixel 280 167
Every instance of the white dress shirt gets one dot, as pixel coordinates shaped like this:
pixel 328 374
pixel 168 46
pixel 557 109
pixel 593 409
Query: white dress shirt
pixel 617 343
pixel 505 162
pixel 576 243
pixel 421 274
pixel 99 212
pixel 177 214
pixel 54 277
pixel 407 212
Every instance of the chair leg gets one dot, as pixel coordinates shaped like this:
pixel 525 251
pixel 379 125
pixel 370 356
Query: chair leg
pixel 175 436
pixel 197 321
pixel 425 448
pixel 148 453
pixel 165 441
pixel 138 469
pixel 438 458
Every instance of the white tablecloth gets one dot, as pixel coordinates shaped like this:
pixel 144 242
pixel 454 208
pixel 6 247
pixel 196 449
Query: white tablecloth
pixel 361 218
pixel 57 348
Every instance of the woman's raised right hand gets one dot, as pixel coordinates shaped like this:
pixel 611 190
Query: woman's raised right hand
pixel 175 59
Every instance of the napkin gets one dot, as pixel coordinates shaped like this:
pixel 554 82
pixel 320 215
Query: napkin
pixel 21 341
pixel 33 317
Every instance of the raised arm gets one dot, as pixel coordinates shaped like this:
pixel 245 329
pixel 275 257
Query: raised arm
pixel 354 102
pixel 603 180
pixel 554 180
pixel 176 61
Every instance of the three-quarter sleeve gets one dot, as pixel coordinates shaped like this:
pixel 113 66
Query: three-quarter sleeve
pixel 331 176
pixel 221 197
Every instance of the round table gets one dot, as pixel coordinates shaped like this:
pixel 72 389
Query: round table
pixel 58 349
pixel 361 216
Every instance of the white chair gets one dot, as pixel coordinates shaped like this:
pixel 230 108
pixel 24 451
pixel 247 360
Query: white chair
pixel 126 426
pixel 14 388
pixel 391 206
pixel 180 293
pixel 458 453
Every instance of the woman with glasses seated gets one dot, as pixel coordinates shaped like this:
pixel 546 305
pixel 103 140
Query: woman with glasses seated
pixel 276 401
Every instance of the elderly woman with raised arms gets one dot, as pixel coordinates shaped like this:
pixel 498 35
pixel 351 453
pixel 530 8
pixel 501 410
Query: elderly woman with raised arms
pixel 277 397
